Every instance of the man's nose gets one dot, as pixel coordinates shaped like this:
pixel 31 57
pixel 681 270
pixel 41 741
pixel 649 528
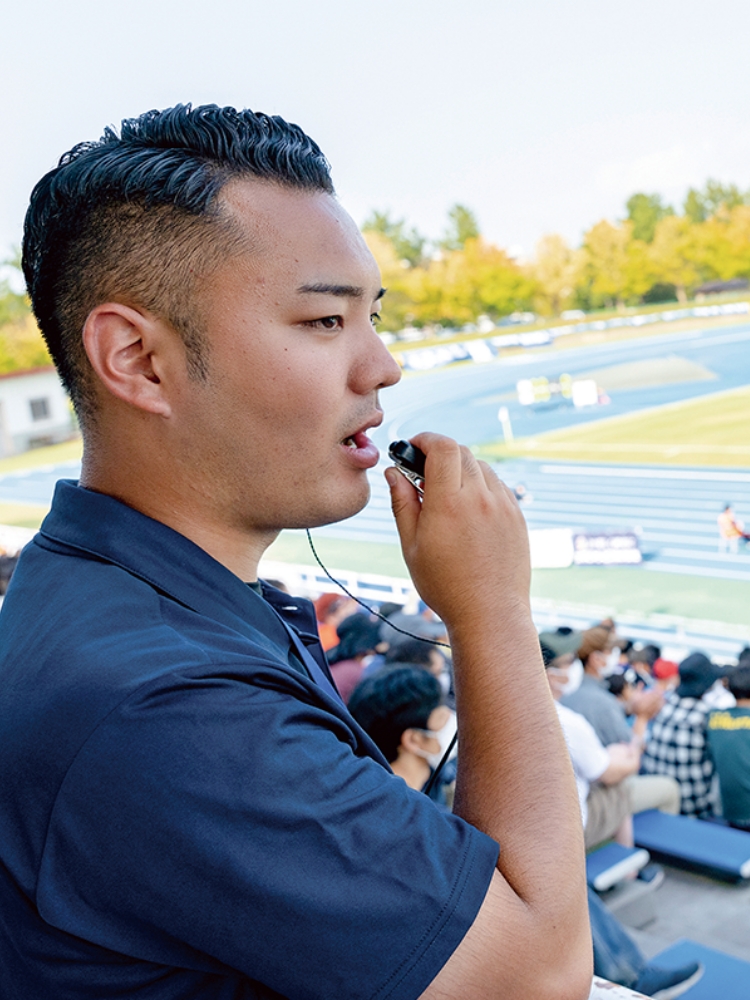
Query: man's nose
pixel 375 366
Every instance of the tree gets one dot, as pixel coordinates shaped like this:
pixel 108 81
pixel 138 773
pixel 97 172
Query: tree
pixel 398 306
pixel 616 266
pixel 674 254
pixel 462 226
pixel 14 306
pixel 556 270
pixel 408 244
pixel 702 205
pixel 644 211
pixel 478 280
pixel 723 244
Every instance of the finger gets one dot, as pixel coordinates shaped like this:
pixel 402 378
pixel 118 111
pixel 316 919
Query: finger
pixel 493 481
pixel 443 465
pixel 405 504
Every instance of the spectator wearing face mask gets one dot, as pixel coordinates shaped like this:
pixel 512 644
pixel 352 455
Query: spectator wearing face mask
pixel 582 691
pixel 592 698
pixel 403 711
pixel 601 775
pixel 600 770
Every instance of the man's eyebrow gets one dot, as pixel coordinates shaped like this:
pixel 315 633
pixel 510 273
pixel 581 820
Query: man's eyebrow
pixel 341 291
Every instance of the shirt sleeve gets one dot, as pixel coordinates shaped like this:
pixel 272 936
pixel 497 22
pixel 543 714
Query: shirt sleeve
pixel 590 758
pixel 216 824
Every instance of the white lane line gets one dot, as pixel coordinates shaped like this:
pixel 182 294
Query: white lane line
pixel 640 472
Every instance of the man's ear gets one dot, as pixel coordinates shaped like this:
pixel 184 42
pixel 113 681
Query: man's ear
pixel 412 740
pixel 128 349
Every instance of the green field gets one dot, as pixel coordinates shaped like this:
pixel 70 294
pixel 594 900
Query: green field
pixel 614 589
pixel 712 431
pixel 31 515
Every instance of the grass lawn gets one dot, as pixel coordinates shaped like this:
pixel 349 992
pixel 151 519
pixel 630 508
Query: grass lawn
pixel 22 515
pixel 31 515
pixel 51 455
pixel 712 430
pixel 619 589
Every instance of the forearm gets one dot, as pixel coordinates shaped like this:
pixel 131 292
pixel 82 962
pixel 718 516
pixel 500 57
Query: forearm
pixel 466 546
pixel 515 780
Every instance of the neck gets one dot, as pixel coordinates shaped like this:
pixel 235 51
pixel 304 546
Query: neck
pixel 181 505
pixel 413 769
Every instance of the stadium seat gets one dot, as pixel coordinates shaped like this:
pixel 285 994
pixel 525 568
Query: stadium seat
pixel 725 978
pixel 612 863
pixel 693 843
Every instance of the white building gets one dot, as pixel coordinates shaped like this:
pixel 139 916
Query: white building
pixel 34 411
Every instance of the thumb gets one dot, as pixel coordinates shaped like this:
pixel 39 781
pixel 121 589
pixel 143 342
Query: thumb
pixel 405 504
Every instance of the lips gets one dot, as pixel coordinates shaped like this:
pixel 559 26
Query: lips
pixel 360 450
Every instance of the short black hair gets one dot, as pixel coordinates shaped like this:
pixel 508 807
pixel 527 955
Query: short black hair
pixel 738 682
pixel 616 684
pixel 135 216
pixel 415 651
pixel 645 654
pixel 548 654
pixel 392 701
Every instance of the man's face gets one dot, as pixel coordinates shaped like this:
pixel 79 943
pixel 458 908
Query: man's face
pixel 558 673
pixel 278 431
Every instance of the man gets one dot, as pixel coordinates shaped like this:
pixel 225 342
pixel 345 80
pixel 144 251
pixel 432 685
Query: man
pixel 729 743
pixel 677 745
pixel 731 530
pixel 596 703
pixel 586 695
pixel 604 814
pixel 188 809
pixel 600 771
pixel 403 710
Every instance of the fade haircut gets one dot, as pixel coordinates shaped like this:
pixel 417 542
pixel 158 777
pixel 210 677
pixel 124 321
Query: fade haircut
pixel 136 218
pixel 739 682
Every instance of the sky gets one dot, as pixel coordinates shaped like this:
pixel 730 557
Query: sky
pixel 542 116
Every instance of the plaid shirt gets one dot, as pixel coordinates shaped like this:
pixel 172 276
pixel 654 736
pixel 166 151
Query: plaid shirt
pixel 677 746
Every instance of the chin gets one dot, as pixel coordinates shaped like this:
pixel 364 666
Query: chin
pixel 336 508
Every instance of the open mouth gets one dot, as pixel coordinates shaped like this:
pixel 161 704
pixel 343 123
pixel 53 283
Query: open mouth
pixel 358 440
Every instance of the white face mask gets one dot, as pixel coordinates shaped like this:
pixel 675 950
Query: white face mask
pixel 613 662
pixel 444 735
pixel 573 675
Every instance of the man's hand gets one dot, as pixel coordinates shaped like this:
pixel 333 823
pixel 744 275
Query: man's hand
pixel 647 703
pixel 624 760
pixel 466 546
pixel 466 543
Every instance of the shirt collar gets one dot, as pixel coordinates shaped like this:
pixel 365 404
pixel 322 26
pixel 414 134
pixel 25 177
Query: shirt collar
pixel 106 528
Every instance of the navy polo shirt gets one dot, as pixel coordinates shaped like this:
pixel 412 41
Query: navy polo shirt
pixel 185 814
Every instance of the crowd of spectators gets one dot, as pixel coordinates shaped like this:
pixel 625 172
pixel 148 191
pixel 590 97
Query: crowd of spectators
pixel 643 732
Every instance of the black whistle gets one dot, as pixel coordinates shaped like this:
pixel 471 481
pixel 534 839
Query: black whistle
pixel 409 461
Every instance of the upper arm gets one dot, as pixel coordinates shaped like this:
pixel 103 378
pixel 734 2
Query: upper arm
pixel 511 953
pixel 236 825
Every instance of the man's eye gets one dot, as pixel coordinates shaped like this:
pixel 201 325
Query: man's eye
pixel 326 323
pixel 375 319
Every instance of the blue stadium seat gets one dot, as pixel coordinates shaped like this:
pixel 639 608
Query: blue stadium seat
pixel 725 978
pixel 608 865
pixel 694 843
